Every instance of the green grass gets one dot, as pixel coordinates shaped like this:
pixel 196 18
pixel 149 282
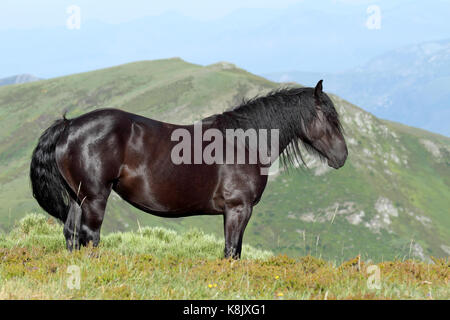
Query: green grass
pixel 156 263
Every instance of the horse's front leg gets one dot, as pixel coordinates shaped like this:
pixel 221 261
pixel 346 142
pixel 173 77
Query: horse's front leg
pixel 236 218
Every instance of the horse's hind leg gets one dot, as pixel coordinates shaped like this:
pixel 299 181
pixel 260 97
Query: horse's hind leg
pixel 72 226
pixel 85 216
pixel 93 211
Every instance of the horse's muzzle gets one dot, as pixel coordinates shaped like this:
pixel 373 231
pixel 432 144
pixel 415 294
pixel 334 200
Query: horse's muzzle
pixel 337 162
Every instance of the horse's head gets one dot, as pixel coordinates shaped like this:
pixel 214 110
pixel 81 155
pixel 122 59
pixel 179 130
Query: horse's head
pixel 324 132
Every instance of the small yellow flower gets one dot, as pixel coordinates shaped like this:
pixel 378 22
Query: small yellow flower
pixel 210 285
pixel 280 294
pixel 215 285
pixel 277 277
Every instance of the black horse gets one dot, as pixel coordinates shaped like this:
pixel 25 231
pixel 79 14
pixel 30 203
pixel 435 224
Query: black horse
pixel 77 163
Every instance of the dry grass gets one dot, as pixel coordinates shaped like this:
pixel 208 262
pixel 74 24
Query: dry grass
pixel 34 265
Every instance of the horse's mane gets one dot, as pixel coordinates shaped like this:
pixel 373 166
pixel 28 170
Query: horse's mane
pixel 284 109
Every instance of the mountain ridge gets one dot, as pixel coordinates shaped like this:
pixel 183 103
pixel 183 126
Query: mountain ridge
pixel 18 79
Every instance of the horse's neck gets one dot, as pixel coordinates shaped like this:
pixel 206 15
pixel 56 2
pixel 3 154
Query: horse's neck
pixel 227 120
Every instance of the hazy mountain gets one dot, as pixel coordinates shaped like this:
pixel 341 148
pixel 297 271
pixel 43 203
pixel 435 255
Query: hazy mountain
pixel 389 200
pixel 410 85
pixel 325 35
pixel 21 78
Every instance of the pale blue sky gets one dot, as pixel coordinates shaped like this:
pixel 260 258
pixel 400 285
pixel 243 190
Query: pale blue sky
pixel 258 35
pixel 32 13
pixel 42 13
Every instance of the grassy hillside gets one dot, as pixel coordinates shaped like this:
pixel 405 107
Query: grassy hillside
pixel 157 263
pixel 389 201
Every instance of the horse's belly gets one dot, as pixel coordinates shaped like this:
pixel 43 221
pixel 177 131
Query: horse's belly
pixel 180 194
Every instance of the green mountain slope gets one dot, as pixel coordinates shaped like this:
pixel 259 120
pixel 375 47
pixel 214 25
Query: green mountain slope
pixel 390 199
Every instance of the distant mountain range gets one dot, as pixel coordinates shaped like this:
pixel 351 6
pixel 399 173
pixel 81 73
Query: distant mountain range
pixel 410 85
pixel 327 35
pixel 390 200
pixel 21 78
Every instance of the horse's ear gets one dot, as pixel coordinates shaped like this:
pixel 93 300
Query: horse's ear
pixel 318 88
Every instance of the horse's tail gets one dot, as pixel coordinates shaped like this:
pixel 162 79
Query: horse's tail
pixel 49 187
